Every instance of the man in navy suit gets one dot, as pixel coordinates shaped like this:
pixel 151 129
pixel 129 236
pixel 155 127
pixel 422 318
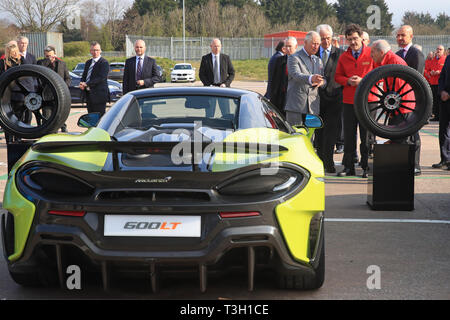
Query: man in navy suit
pixel 140 71
pixel 216 70
pixel 22 43
pixel 415 59
pixel 270 67
pixel 94 81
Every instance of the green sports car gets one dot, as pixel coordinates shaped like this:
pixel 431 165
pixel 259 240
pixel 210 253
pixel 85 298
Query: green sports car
pixel 170 179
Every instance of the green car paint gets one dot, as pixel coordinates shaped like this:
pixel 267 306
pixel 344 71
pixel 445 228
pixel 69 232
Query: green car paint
pixel 22 209
pixel 294 215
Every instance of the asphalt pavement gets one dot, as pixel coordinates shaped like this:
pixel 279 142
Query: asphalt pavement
pixel 369 254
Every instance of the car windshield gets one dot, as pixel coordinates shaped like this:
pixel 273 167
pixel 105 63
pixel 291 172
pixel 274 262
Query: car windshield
pixel 210 111
pixel 80 66
pixel 182 67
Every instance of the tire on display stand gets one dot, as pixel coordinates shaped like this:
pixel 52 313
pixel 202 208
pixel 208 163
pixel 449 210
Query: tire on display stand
pixel 391 99
pixel 35 101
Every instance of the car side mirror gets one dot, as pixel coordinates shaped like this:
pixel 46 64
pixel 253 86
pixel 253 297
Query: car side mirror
pixel 89 120
pixel 310 121
pixel 313 121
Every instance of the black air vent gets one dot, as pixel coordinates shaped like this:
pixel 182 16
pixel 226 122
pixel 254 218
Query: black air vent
pixel 153 196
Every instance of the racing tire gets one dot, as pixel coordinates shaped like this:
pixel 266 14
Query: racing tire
pixel 35 101
pixel 290 277
pixel 375 116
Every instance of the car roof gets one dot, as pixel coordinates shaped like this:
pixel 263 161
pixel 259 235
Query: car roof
pixel 117 63
pixel 208 91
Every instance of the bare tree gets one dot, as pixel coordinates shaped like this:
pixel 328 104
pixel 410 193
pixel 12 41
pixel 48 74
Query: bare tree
pixel 38 15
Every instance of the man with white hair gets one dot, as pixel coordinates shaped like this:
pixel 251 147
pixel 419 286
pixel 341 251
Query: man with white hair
pixel 330 98
pixel 22 43
pixel 433 68
pixel 365 38
pixel 280 75
pixel 305 76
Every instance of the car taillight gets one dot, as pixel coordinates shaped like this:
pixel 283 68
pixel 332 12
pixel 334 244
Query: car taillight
pixel 67 213
pixel 226 215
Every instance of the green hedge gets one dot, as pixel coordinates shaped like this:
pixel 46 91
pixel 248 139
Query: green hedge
pixel 76 48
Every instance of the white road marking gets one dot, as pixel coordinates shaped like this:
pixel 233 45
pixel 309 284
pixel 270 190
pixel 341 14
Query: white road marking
pixel 387 220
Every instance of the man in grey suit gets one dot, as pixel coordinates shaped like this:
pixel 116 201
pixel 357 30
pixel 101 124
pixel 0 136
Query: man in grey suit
pixel 330 99
pixel 305 76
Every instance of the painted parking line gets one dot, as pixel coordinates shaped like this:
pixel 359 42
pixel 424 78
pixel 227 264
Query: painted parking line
pixel 388 220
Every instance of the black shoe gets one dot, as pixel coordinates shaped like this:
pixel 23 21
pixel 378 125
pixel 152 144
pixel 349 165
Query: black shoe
pixel 346 173
pixel 339 149
pixel 417 172
pixel 365 173
pixel 331 169
pixel 439 165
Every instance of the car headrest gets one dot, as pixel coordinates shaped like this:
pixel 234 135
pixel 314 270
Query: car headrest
pixel 197 102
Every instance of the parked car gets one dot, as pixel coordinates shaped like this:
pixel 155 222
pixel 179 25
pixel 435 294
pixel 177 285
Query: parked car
pixel 79 68
pixel 116 71
pixel 162 73
pixel 182 72
pixel 131 196
pixel 115 89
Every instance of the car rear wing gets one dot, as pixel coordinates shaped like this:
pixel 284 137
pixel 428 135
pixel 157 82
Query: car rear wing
pixel 140 147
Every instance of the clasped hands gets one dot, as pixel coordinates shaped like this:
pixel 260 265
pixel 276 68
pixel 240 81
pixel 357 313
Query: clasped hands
pixel 317 80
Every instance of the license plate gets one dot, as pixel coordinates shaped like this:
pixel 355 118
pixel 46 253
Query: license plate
pixel 152 226
pixel 115 70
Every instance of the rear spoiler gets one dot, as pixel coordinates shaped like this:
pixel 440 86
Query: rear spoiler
pixel 140 147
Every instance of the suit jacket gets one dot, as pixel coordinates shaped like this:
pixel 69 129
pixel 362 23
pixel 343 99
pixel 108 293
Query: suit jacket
pixel 270 71
pixel 98 83
pixel 301 95
pixel 332 90
pixel 414 58
pixel 279 85
pixel 444 78
pixel 60 68
pixel 149 74
pixel 206 72
pixel 30 59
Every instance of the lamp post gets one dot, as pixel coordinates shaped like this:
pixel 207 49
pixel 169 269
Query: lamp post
pixel 184 35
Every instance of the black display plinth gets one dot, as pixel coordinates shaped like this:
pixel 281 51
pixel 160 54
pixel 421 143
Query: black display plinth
pixel 391 179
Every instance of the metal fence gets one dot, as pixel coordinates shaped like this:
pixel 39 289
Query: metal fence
pixel 246 48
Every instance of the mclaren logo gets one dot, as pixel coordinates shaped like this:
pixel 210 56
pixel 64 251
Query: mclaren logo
pixel 161 180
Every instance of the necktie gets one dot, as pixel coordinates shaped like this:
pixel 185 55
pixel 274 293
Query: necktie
pixel 324 57
pixel 88 77
pixel 404 53
pixel 216 71
pixel 139 69
pixel 356 55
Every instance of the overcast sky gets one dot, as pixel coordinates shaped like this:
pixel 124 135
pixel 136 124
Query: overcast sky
pixel 398 8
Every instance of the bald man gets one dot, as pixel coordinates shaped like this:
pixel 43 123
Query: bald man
pixel 413 56
pixel 216 68
pixel 416 60
pixel 140 71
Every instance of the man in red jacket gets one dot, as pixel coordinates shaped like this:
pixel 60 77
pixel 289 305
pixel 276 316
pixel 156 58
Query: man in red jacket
pixel 382 55
pixel 352 66
pixel 433 69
